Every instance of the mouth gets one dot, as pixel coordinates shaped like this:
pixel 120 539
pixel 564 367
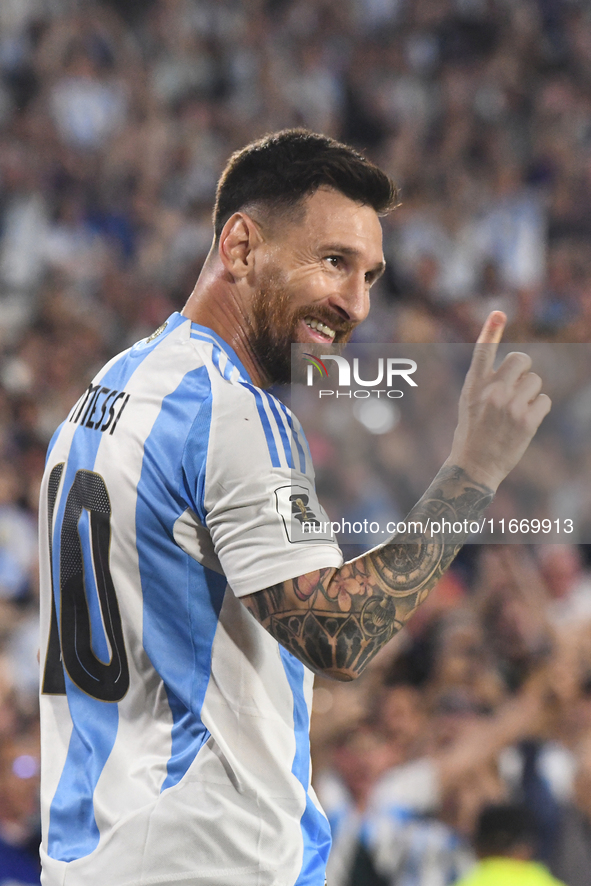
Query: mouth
pixel 318 330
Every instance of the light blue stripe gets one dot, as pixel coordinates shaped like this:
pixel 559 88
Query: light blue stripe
pixel 228 369
pixel 228 350
pixel 215 356
pixel 281 427
pixel 188 736
pixel 216 353
pixel 73 832
pixel 194 460
pixel 181 598
pixel 99 643
pixel 295 436
pixel 275 460
pixel 315 827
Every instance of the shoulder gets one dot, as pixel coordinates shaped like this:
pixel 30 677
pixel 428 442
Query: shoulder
pixel 249 423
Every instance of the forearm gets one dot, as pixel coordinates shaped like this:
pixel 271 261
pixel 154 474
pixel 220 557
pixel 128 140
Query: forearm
pixel 336 621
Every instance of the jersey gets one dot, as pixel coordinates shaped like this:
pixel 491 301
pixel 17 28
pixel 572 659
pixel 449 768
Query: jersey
pixel 175 728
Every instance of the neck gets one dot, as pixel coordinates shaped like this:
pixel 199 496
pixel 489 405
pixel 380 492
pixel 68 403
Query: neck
pixel 217 302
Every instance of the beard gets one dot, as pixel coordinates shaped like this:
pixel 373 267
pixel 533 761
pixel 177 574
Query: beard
pixel 274 326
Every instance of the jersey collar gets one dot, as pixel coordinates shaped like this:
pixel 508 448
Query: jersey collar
pixel 229 351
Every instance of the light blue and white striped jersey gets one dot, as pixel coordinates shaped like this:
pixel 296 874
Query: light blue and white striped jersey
pixel 174 727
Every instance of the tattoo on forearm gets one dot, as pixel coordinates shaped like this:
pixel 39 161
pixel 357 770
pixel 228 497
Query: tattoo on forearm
pixel 337 620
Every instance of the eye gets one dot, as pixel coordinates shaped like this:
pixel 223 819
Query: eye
pixel 334 260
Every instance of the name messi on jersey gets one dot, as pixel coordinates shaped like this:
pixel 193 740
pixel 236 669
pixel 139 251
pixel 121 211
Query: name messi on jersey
pixel 99 408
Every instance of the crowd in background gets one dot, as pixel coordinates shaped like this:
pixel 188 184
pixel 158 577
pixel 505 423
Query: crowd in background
pixel 116 119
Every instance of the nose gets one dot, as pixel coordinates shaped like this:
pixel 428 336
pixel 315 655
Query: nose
pixel 352 300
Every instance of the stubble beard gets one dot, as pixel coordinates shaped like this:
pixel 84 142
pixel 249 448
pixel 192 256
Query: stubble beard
pixel 274 327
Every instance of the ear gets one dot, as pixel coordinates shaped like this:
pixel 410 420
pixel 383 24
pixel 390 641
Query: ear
pixel 239 239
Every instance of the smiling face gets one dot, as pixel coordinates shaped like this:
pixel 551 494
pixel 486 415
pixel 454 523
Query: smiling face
pixel 314 278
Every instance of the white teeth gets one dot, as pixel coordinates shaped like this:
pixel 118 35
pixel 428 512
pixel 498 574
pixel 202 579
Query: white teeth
pixel 321 327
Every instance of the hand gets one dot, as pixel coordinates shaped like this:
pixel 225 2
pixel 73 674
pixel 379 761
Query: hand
pixel 499 411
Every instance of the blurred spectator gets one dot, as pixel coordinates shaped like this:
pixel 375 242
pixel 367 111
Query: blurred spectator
pixel 9 715
pixel 568 585
pixel 18 540
pixel 359 756
pixel 408 824
pixel 504 842
pixel 570 853
pixel 87 107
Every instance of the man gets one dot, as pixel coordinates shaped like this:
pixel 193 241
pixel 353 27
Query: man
pixel 175 726
pixel 505 842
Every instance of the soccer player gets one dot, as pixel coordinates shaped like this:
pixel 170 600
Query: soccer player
pixel 181 619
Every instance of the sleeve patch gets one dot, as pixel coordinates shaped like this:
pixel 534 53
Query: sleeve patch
pixel 303 518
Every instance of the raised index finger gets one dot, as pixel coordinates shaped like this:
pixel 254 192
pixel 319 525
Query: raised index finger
pixel 485 349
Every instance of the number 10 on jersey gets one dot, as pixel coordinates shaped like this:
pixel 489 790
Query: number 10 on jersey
pixel 70 643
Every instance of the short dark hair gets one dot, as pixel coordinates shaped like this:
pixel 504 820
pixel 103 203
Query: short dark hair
pixel 502 827
pixel 282 168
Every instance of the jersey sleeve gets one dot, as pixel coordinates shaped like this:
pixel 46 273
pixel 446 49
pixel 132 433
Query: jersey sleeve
pixel 255 491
